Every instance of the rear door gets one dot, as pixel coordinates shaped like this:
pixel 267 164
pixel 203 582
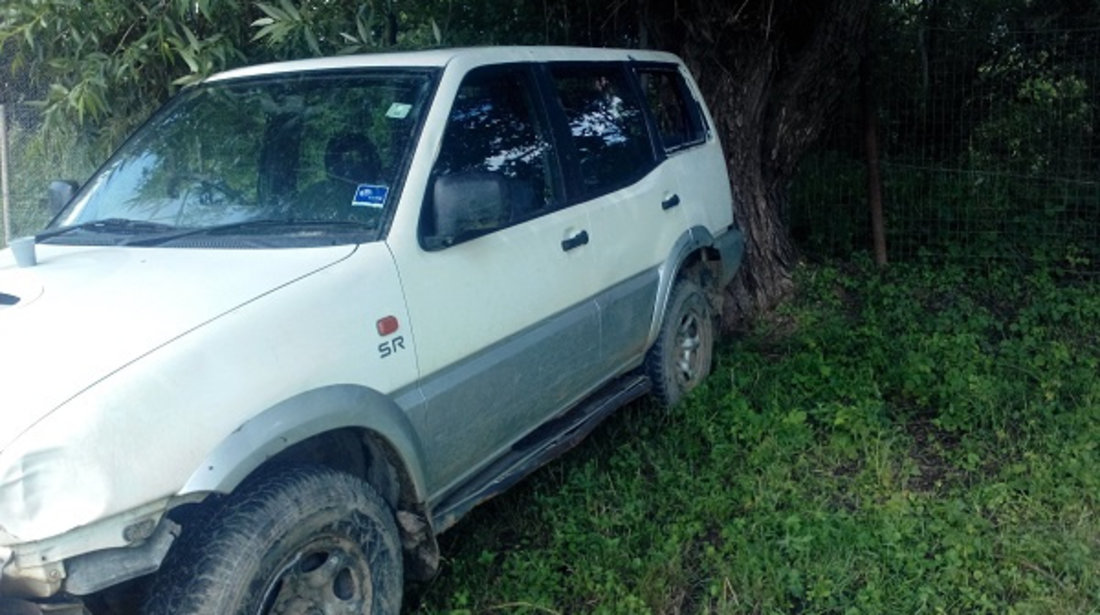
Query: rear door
pixel 631 199
pixel 683 137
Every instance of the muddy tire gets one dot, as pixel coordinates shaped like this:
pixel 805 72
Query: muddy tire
pixel 298 541
pixel 681 357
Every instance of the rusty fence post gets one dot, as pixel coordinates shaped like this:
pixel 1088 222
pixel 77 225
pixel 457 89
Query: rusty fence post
pixel 871 150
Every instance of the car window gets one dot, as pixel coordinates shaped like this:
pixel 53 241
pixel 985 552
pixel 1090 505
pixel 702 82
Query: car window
pixel 494 127
pixel 674 112
pixel 606 124
pixel 327 147
pixel 496 139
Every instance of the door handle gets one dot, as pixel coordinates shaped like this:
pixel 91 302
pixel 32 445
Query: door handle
pixel 575 241
pixel 670 202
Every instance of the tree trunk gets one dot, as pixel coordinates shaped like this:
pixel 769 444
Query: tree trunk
pixel 740 108
pixel 772 72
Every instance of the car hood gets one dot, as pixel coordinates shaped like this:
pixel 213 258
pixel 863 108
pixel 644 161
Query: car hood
pixel 84 312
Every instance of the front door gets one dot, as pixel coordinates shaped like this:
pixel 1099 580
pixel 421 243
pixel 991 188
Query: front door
pixel 506 330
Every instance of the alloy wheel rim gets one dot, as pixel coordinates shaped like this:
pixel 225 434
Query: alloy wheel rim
pixel 687 349
pixel 326 576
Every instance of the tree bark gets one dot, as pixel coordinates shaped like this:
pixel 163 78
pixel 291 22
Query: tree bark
pixel 772 72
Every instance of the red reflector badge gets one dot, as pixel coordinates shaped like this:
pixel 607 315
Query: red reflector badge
pixel 386 325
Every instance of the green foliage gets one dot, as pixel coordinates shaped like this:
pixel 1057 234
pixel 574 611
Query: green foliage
pixel 914 440
pixel 968 214
pixel 34 161
pixel 104 64
pixel 302 29
pixel 96 69
pixel 99 68
pixel 828 214
pixel 986 113
pixel 1046 128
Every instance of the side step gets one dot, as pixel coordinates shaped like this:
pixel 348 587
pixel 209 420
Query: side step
pixel 547 441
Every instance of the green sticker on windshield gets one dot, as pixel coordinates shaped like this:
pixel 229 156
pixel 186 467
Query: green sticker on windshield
pixel 398 111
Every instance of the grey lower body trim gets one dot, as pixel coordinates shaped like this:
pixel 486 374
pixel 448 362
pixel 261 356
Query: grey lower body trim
pixel 549 440
pixel 301 417
pixel 626 312
pixel 690 241
pixel 476 407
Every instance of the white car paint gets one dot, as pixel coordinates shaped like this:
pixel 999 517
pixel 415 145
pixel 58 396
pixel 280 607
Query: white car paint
pixel 213 349
pixel 87 311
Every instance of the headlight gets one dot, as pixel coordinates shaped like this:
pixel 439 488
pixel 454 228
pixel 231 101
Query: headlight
pixel 44 492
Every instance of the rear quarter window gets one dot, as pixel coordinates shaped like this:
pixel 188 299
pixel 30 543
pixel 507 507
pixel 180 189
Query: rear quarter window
pixel 675 113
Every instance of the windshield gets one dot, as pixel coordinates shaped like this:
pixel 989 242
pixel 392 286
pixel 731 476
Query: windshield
pixel 303 157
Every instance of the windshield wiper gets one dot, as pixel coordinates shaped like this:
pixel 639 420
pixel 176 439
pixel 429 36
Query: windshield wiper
pixel 112 226
pixel 263 225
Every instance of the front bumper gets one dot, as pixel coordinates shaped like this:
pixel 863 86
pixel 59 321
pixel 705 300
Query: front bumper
pixel 89 558
pixel 29 581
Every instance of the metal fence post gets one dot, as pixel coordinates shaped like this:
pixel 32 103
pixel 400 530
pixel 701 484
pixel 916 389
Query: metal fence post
pixel 5 197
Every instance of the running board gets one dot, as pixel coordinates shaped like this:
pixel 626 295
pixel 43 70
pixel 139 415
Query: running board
pixel 547 441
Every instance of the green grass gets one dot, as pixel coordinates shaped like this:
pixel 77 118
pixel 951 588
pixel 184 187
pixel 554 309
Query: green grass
pixel 915 441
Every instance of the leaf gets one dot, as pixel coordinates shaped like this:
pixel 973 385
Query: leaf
pixel 275 32
pixel 191 39
pixel 291 10
pixel 189 58
pixel 58 91
pixel 271 11
pixel 363 28
pixel 263 21
pixel 436 33
pixel 311 40
pixel 188 79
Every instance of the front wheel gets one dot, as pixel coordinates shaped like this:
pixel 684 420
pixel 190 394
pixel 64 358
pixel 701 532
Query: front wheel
pixel 299 541
pixel 681 357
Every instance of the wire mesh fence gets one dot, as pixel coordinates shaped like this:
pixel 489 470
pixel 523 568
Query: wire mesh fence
pixel 31 162
pixel 989 152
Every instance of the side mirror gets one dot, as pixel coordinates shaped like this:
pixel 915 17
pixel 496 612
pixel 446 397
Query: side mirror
pixel 60 193
pixel 465 205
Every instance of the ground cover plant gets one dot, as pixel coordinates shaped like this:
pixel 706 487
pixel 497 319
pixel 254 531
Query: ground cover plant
pixel 920 440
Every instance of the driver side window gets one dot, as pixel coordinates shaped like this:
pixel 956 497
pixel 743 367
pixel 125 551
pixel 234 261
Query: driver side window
pixel 495 165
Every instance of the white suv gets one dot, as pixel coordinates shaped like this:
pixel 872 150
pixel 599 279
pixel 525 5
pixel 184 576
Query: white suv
pixel 313 312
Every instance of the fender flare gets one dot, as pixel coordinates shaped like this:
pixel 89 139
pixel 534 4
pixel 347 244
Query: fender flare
pixel 691 240
pixel 301 417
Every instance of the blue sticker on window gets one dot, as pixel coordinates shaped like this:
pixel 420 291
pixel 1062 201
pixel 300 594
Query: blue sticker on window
pixel 370 196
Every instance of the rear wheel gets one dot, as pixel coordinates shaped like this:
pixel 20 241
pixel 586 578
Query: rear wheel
pixel 302 541
pixel 681 357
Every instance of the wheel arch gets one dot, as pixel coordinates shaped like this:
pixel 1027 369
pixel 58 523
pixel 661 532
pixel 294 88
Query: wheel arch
pixel 270 433
pixel 696 254
pixel 349 428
